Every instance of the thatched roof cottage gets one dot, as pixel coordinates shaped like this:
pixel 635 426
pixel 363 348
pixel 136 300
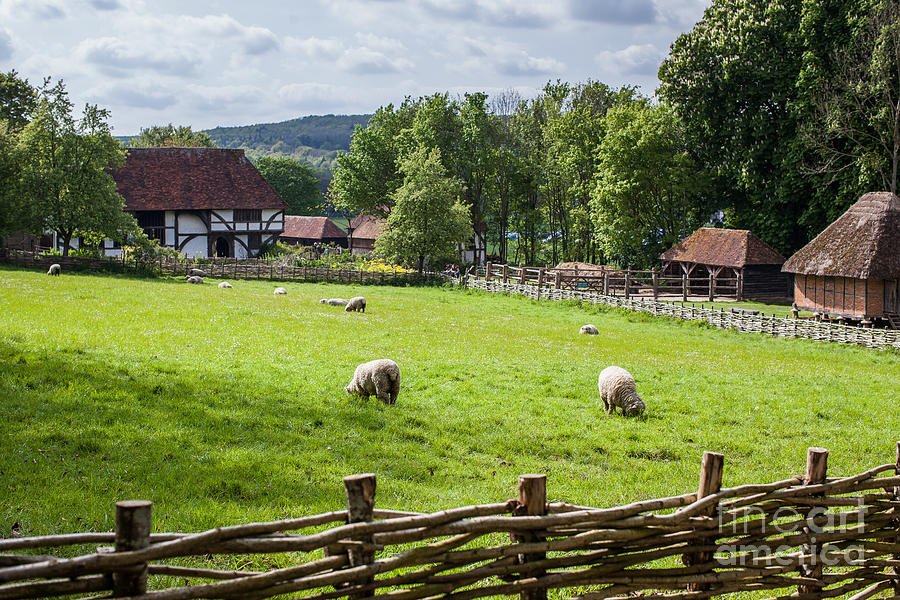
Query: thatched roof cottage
pixel 710 251
pixel 852 268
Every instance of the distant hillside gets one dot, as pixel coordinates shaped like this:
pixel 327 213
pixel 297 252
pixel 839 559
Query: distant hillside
pixel 323 133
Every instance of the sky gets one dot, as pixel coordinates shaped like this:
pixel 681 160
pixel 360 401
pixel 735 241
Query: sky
pixel 223 63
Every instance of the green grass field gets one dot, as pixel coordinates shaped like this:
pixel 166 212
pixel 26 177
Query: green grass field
pixel 228 406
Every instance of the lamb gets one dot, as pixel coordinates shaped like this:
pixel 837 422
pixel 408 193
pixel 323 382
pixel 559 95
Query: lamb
pixel 356 303
pixel 225 284
pixel 54 269
pixel 334 301
pixel 194 279
pixel 198 272
pixel 589 330
pixel 279 291
pixel 617 388
pixel 380 378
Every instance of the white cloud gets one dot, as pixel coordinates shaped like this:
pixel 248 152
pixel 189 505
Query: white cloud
pixel 106 4
pixel 252 39
pixel 633 60
pixel 31 9
pixel 6 47
pixel 118 58
pixel 138 96
pixel 315 48
pixel 631 12
pixel 505 58
pixel 314 96
pixel 365 61
pixel 381 44
pixel 501 13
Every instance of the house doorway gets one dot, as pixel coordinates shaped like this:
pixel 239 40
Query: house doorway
pixel 222 247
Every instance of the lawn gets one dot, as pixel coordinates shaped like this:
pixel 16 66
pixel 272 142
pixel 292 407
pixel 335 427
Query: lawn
pixel 227 406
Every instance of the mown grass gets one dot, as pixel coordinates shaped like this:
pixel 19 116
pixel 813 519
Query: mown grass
pixel 227 406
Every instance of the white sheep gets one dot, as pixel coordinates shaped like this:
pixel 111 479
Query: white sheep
pixel 279 291
pixel 379 378
pixel 198 272
pixel 225 285
pixel 334 301
pixel 617 388
pixel 194 279
pixel 54 269
pixel 589 330
pixel 356 303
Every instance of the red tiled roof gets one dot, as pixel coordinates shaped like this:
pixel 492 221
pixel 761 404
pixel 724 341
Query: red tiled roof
pixel 722 248
pixel 193 179
pixel 311 228
pixel 368 229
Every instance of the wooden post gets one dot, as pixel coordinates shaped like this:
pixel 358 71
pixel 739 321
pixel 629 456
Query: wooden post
pixel 655 283
pixel 816 469
pixel 540 281
pixel 710 483
pixel 133 524
pixel 487 272
pixel 684 287
pixel 557 280
pixel 606 283
pixel 627 283
pixel 505 273
pixel 360 506
pixel 740 285
pixel 712 287
pixel 523 272
pixel 532 502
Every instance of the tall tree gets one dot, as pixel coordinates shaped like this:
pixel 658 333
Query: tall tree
pixel 295 182
pixel 161 136
pixel 18 99
pixel 427 220
pixel 65 170
pixel 649 191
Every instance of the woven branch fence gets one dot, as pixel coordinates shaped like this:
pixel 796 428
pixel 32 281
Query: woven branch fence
pixel 743 322
pixel 230 268
pixel 809 536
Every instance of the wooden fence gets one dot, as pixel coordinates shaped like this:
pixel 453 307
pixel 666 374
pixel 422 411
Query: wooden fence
pixel 806 537
pixel 744 322
pixel 230 268
pixel 627 283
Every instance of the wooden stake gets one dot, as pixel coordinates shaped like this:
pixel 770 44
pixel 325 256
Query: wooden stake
pixel 711 468
pixel 655 283
pixel 533 502
pixel 816 469
pixel 360 505
pixel 133 524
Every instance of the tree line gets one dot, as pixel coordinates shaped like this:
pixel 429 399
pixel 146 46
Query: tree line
pixel 772 115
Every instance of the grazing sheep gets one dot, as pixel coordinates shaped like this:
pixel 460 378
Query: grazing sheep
pixel 589 330
pixel 279 291
pixel 356 303
pixel 198 272
pixel 380 378
pixel 194 279
pixel 617 388
pixel 334 301
pixel 54 269
pixel 225 284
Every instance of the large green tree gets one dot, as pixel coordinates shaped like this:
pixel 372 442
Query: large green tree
pixel 648 192
pixel 295 182
pixel 427 219
pixel 65 170
pixel 18 99
pixel 160 136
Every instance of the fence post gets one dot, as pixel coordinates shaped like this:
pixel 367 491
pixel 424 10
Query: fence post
pixel 557 280
pixel 816 469
pixel 487 271
pixel 360 506
pixel 684 287
pixel 540 281
pixel 133 524
pixel 740 285
pixel 627 283
pixel 655 283
pixel 710 483
pixel 523 273
pixel 605 283
pixel 505 272
pixel 533 502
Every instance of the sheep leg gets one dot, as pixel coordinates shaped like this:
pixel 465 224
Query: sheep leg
pixel 606 405
pixel 383 388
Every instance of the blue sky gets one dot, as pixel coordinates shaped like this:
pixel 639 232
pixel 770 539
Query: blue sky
pixel 209 63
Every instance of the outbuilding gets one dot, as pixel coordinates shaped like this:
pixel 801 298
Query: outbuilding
pixel 852 268
pixel 307 231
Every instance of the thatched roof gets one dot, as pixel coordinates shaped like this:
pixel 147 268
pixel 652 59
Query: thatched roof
pixel 733 248
pixel 863 243
pixel 581 266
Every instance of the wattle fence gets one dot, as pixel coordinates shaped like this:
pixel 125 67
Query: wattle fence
pixel 223 268
pixel 805 537
pixel 744 322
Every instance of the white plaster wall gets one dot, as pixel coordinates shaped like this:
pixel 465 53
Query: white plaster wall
pixel 190 224
pixel 277 224
pixel 196 247
pixel 239 250
pixel 216 223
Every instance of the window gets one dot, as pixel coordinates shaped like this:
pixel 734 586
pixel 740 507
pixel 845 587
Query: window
pixel 254 241
pixel 153 222
pixel 247 215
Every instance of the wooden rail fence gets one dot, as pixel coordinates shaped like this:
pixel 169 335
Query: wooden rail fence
pixel 617 282
pixel 744 322
pixel 230 268
pixel 805 537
